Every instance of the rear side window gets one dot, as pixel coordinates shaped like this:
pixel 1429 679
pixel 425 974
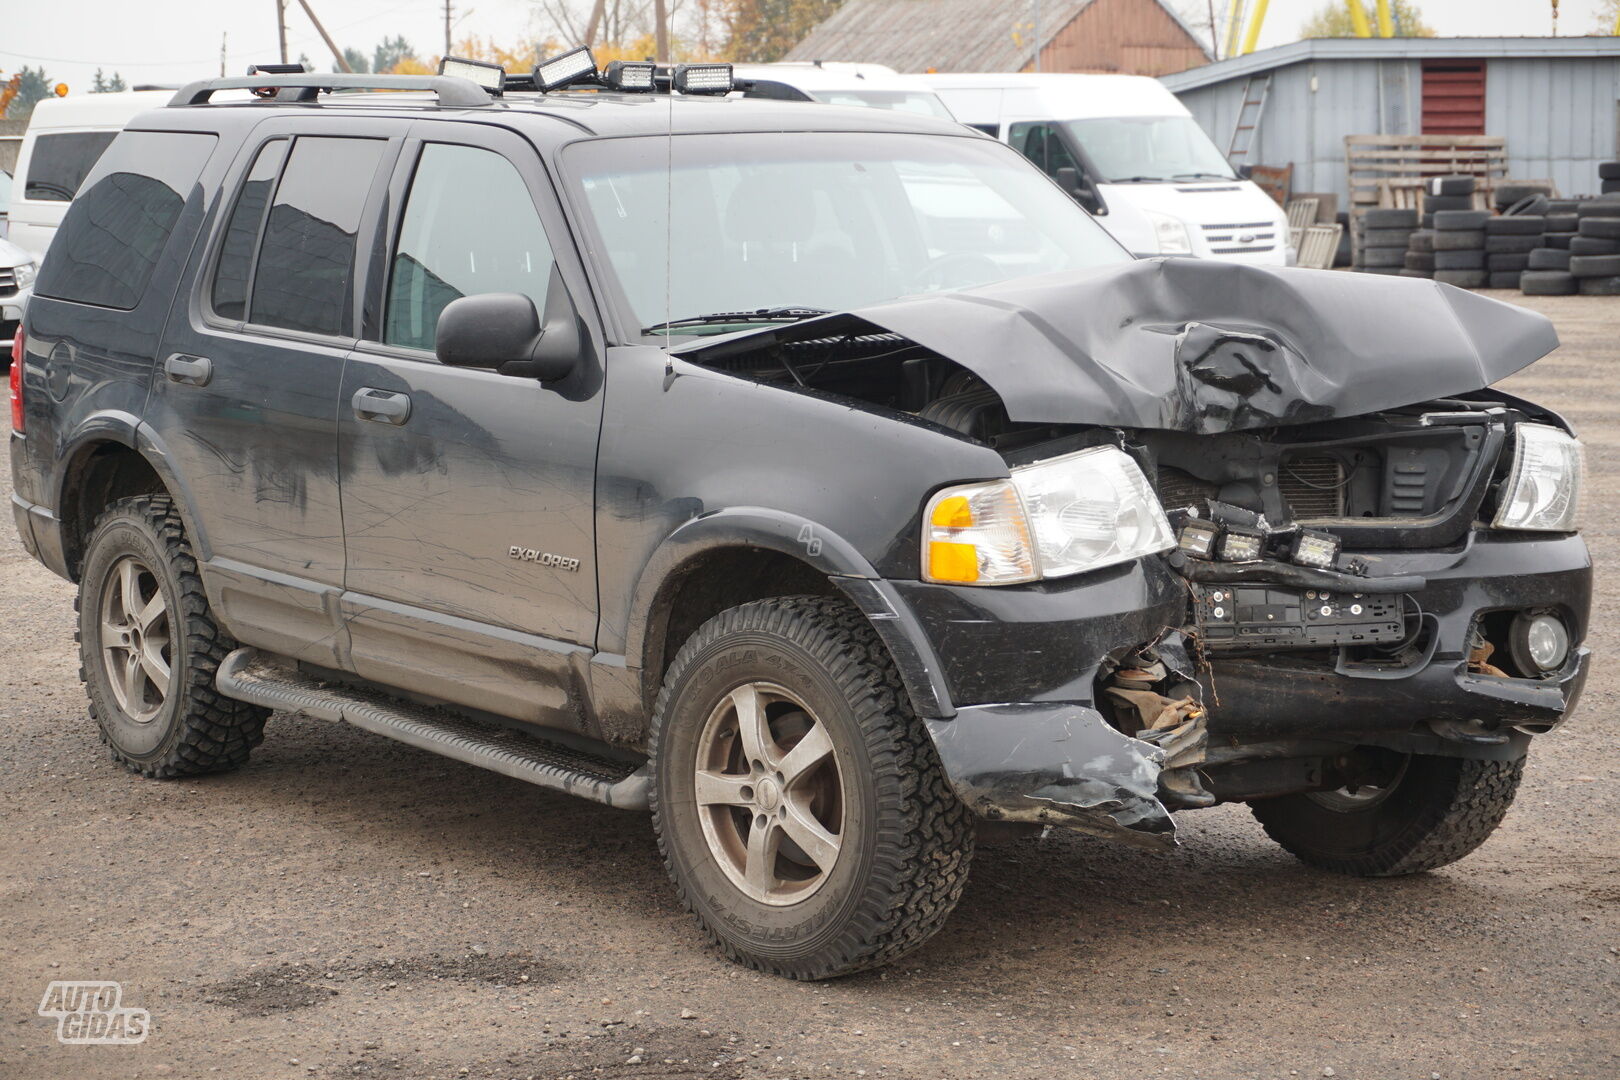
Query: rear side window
pixel 231 278
pixel 303 275
pixel 116 230
pixel 60 163
pixel 470 227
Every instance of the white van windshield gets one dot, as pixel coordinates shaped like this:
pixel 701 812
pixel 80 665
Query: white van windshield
pixel 820 220
pixel 910 101
pixel 1142 149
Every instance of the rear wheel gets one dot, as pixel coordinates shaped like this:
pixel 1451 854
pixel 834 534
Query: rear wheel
pixel 1421 812
pixel 799 804
pixel 149 648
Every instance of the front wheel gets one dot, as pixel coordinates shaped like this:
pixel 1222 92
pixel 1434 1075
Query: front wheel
pixel 799 804
pixel 1423 812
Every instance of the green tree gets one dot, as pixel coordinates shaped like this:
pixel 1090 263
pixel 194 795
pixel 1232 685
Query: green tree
pixel 356 61
pixel 1607 13
pixel 34 86
pixel 764 30
pixel 1332 20
pixel 114 85
pixel 389 52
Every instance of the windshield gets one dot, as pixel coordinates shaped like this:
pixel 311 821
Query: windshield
pixel 1138 148
pixel 910 101
pixel 820 220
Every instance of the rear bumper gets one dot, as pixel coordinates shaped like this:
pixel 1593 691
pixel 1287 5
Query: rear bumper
pixel 41 534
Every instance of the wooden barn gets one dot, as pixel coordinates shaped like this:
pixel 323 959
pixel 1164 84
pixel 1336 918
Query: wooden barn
pixel 1123 37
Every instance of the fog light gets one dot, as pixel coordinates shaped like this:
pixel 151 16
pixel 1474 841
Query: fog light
pixel 1539 643
pixel 1242 545
pixel 1320 550
pixel 1198 538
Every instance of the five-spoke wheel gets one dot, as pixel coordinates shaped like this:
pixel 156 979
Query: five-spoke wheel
pixel 136 639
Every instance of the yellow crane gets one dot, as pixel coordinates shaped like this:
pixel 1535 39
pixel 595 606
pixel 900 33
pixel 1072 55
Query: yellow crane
pixel 1239 43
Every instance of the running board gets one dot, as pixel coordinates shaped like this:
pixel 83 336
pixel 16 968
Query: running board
pixel 248 675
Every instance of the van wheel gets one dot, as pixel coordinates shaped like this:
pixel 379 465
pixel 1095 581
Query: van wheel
pixel 149 648
pixel 799 804
pixel 1426 812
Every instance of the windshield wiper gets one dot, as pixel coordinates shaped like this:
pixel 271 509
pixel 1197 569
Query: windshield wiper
pixel 1138 179
pixel 758 315
pixel 1200 176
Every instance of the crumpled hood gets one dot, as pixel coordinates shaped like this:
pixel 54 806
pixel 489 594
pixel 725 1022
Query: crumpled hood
pixel 1204 346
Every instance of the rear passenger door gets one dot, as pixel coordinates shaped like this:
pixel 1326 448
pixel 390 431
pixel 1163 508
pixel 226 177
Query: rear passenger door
pixel 448 471
pixel 246 393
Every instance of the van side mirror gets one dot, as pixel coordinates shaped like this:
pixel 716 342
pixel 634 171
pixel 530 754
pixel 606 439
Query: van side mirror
pixel 1068 178
pixel 503 331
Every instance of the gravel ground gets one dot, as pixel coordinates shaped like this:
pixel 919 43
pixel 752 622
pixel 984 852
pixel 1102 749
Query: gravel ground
pixel 347 906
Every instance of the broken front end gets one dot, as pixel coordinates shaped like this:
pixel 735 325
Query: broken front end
pixel 1369 559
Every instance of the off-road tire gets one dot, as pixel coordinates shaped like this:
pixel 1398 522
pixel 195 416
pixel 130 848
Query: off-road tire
pixel 912 841
pixel 198 730
pixel 1440 810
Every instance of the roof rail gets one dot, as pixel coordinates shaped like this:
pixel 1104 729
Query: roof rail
pixel 453 92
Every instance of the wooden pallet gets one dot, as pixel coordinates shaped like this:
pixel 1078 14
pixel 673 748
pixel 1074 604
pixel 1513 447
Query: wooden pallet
pixel 1389 170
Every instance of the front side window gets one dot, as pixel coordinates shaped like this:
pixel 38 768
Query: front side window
pixel 114 233
pixel 60 163
pixel 1042 144
pixel 469 227
pixel 704 224
pixel 1135 149
pixel 303 277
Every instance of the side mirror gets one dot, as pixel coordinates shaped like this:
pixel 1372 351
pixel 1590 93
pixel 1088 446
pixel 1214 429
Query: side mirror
pixel 503 331
pixel 1068 178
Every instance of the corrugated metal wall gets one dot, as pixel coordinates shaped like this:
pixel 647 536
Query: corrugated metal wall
pixel 1560 116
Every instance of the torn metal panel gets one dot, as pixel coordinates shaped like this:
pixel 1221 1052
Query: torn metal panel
pixel 1204 346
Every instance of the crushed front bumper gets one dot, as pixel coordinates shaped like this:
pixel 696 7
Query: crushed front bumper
pixel 1005 680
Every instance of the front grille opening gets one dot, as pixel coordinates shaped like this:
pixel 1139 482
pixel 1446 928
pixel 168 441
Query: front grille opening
pixel 1178 488
pixel 1313 486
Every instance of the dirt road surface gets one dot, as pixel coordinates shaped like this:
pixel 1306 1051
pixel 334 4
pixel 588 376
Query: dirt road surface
pixel 347 906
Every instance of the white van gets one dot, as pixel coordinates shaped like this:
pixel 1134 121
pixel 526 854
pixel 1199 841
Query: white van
pixel 65 138
pixel 868 85
pixel 1132 154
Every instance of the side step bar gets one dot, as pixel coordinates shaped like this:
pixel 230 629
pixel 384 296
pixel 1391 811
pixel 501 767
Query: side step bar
pixel 248 675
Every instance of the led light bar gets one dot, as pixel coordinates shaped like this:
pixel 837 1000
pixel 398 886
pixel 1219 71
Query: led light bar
pixel 491 77
pixel 565 69
pixel 1317 549
pixel 703 79
pixel 1198 538
pixel 1239 544
pixel 630 76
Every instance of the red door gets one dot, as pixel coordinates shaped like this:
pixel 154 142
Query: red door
pixel 1453 97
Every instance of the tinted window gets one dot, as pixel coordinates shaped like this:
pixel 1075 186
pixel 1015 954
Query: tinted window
pixel 61 162
pixel 112 236
pixel 304 277
pixel 469 227
pixel 242 232
pixel 1042 144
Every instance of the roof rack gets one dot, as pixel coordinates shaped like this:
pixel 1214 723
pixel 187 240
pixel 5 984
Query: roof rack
pixel 453 92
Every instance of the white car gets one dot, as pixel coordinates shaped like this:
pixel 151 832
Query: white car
pixel 1131 153
pixel 17 269
pixel 870 86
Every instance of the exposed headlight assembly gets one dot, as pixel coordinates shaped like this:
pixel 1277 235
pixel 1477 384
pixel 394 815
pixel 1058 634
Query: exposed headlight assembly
pixel 1543 491
pixel 25 274
pixel 1171 234
pixel 1063 516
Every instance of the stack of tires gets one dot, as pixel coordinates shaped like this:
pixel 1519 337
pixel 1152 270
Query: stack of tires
pixel 1459 248
pixel 1580 252
pixel 1609 177
pixel 1384 238
pixel 1509 240
pixel 1419 255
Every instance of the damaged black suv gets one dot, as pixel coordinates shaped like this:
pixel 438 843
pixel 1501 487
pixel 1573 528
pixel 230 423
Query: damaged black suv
pixel 824 481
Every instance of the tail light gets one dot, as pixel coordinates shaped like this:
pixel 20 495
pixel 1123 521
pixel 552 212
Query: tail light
pixel 16 381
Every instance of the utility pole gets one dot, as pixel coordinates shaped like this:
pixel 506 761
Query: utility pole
pixel 661 32
pixel 1037 35
pixel 281 27
pixel 222 37
pixel 1214 34
pixel 337 53
pixel 594 22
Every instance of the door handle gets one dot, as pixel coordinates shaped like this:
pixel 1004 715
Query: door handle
pixel 192 370
pixel 381 406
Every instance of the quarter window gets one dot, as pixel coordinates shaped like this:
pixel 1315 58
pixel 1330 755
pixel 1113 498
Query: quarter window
pixel 470 227
pixel 303 277
pixel 115 232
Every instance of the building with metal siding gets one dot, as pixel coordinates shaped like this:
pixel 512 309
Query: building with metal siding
pixel 1556 100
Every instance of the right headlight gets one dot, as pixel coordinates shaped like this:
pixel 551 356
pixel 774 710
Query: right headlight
pixel 1063 516
pixel 1171 234
pixel 1543 491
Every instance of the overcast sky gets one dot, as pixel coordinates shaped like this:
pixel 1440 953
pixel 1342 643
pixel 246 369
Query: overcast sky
pixel 176 40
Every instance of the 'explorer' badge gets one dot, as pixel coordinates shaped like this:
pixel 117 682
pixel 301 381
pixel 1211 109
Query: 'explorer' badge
pixel 544 558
